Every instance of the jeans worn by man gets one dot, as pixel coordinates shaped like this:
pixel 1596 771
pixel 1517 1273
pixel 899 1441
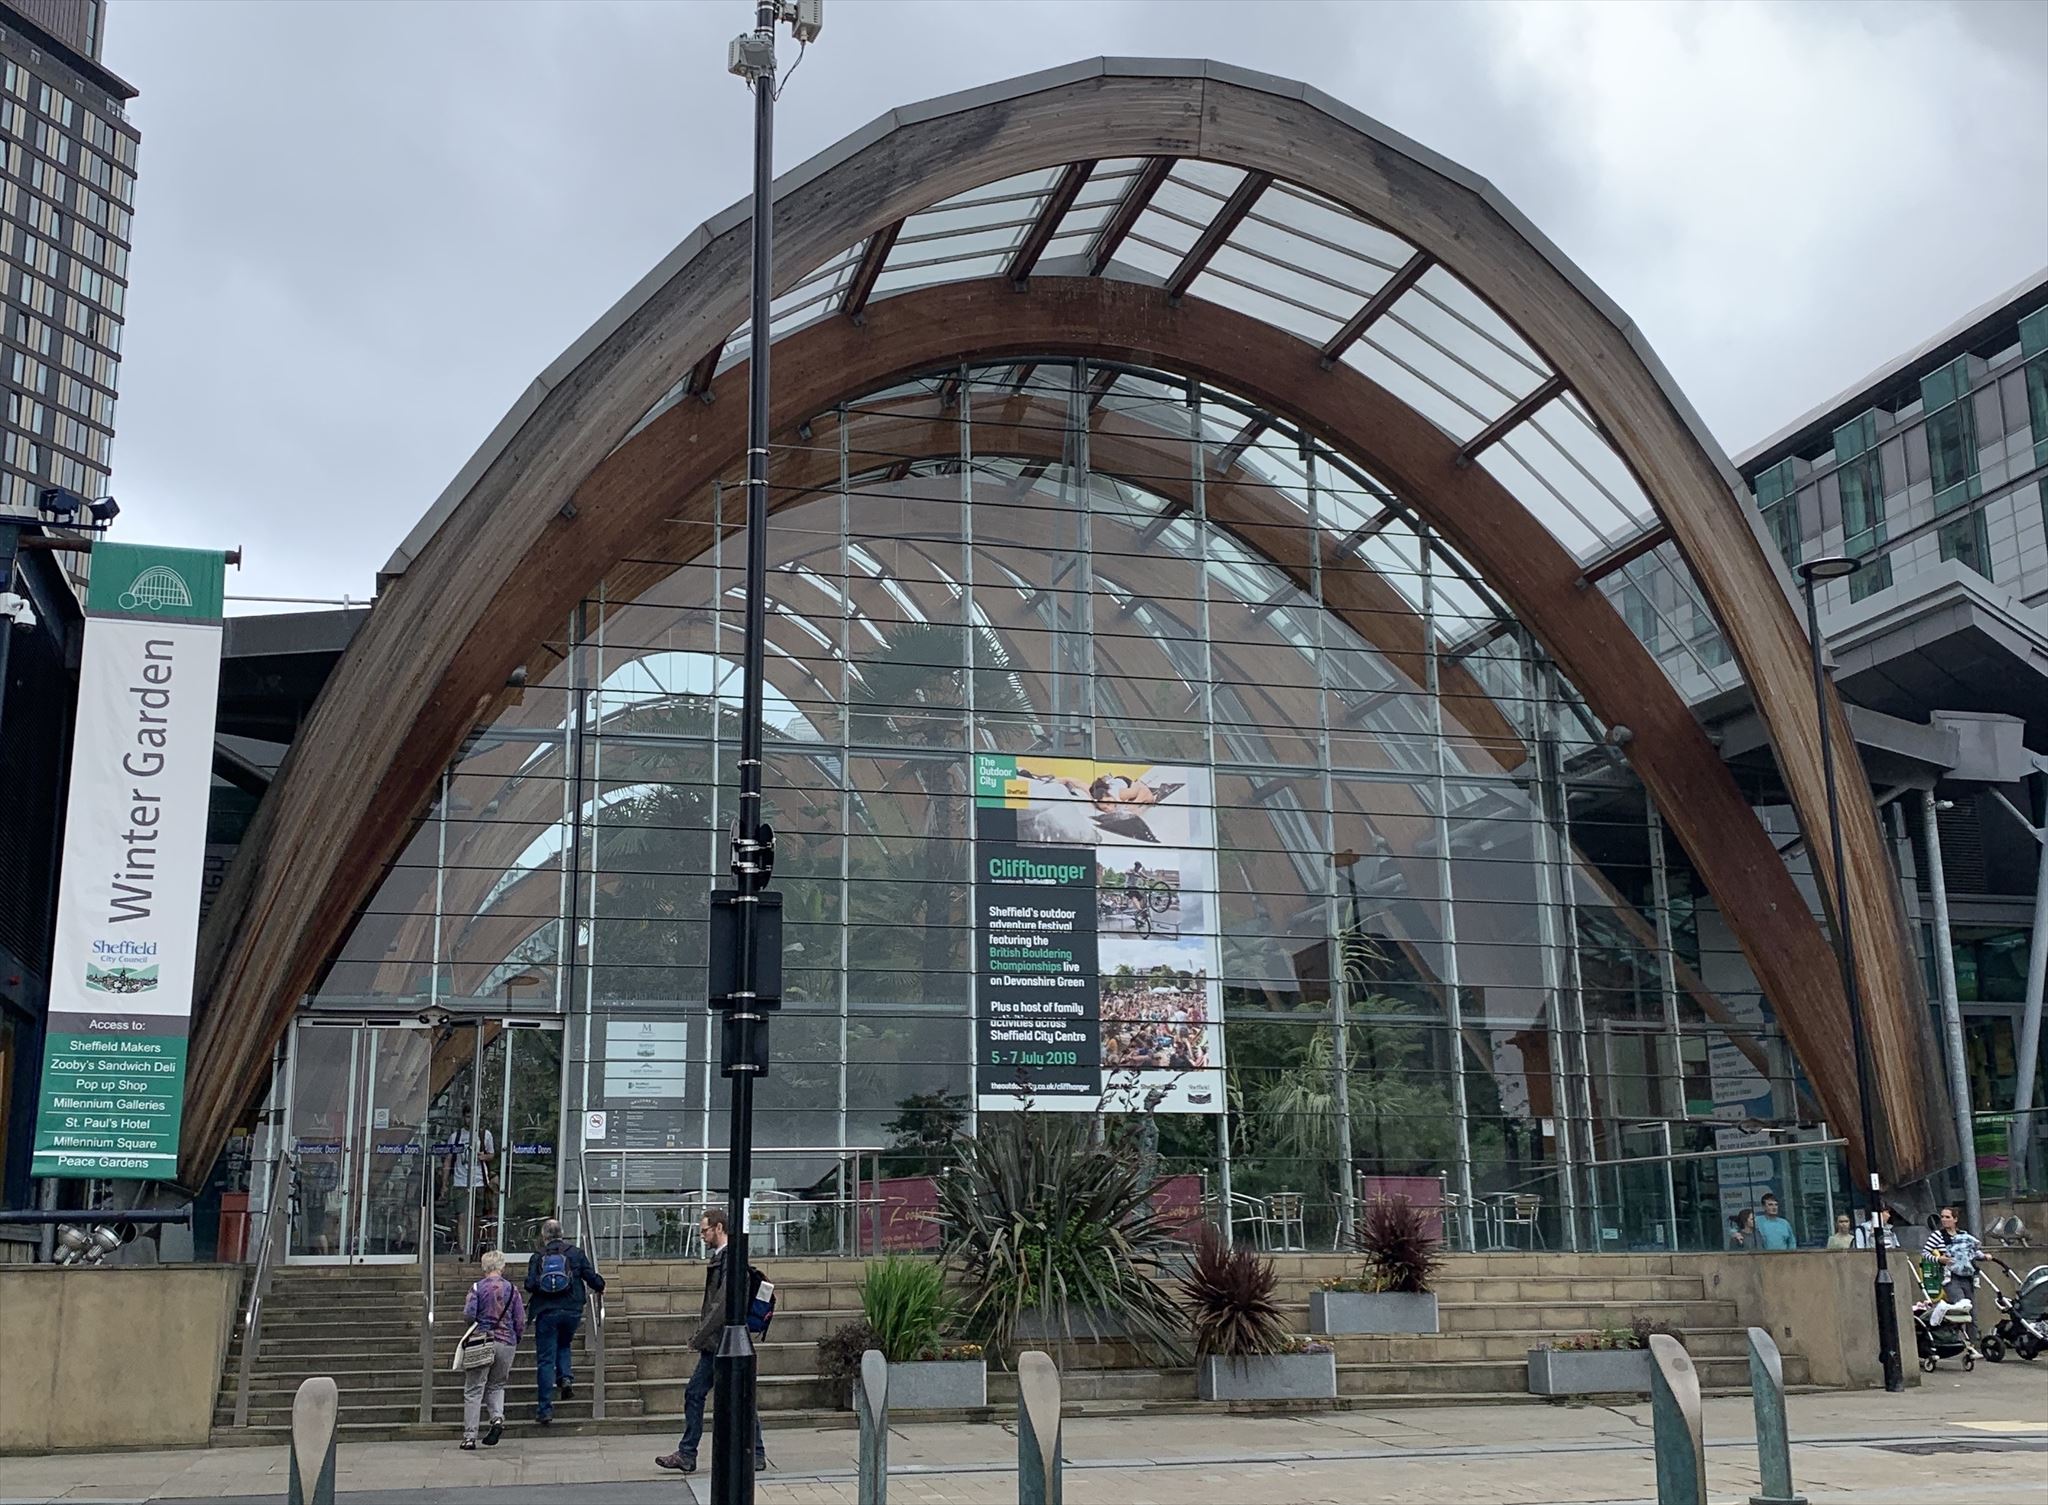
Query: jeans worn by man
pixel 556 1275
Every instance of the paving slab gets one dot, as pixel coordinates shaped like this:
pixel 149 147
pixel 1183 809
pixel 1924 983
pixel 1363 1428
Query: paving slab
pixel 1981 1437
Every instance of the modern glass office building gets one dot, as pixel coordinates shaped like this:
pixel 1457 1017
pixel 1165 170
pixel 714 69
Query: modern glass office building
pixel 1210 687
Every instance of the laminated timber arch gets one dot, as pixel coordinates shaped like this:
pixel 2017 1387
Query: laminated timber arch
pixel 503 555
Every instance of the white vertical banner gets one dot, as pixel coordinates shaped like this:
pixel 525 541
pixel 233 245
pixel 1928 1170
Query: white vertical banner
pixel 121 973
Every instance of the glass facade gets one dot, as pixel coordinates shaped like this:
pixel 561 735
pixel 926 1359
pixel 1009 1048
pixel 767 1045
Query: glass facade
pixel 67 191
pixel 1950 463
pixel 1458 953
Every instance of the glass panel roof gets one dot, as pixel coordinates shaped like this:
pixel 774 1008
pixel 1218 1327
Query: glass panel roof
pixel 1307 266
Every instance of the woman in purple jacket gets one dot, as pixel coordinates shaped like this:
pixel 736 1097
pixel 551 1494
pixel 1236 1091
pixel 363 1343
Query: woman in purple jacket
pixel 499 1313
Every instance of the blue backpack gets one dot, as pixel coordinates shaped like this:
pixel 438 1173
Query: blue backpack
pixel 761 1310
pixel 555 1276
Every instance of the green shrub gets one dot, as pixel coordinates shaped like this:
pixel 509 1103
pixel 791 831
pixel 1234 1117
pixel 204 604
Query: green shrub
pixel 907 1307
pixel 1037 1218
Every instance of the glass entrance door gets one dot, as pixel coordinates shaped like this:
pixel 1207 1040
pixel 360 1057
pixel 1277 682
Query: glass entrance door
pixel 379 1108
pixel 358 1115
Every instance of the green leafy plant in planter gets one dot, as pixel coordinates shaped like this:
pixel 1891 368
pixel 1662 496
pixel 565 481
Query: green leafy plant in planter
pixel 907 1307
pixel 1231 1306
pixel 1036 1219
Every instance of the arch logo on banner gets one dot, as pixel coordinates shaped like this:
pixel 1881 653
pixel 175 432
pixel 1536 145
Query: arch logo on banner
pixel 134 860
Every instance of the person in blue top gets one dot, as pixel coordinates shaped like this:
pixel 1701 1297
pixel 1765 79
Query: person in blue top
pixel 1772 1229
pixel 556 1274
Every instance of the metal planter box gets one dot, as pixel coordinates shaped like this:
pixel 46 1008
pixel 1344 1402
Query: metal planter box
pixel 1608 1371
pixel 1372 1312
pixel 1280 1376
pixel 938 1385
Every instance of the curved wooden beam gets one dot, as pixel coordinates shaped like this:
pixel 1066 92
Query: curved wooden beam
pixel 424 661
pixel 664 473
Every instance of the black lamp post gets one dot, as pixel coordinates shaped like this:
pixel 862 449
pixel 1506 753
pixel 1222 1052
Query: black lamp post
pixel 1812 572
pixel 746 920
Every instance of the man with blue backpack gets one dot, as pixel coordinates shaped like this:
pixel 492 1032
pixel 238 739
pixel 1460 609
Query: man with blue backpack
pixel 556 1274
pixel 710 1333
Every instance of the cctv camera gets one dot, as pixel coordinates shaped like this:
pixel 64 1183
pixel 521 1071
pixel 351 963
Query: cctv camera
pixel 17 609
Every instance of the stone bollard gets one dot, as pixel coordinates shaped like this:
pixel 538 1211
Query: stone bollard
pixel 1773 1440
pixel 1038 1430
pixel 315 1411
pixel 1675 1419
pixel 871 1411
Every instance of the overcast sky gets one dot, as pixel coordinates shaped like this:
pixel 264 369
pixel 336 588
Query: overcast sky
pixel 362 228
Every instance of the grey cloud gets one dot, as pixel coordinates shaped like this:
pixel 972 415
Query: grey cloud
pixel 363 228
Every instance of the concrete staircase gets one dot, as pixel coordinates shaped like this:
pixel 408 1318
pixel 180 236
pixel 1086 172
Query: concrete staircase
pixel 1494 1309
pixel 361 1325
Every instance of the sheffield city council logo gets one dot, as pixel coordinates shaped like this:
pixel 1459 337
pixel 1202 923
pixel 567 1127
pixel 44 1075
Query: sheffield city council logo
pixel 155 589
pixel 122 967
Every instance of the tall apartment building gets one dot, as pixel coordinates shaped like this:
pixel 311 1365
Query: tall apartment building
pixel 67 188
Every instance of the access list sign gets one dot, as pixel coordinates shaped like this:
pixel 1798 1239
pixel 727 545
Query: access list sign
pixel 134 857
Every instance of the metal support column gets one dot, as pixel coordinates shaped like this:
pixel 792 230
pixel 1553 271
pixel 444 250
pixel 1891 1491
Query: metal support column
pixel 1454 1016
pixel 1951 1011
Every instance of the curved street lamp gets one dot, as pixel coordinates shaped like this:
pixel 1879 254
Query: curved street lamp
pixel 1812 573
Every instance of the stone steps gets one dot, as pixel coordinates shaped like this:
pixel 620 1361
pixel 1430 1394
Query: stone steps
pixel 362 1326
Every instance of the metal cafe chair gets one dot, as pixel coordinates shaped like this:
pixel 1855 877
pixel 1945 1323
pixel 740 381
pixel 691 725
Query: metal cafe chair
pixel 1519 1210
pixel 1246 1209
pixel 1287 1216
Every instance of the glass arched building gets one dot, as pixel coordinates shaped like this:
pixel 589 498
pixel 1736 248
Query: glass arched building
pixel 1237 604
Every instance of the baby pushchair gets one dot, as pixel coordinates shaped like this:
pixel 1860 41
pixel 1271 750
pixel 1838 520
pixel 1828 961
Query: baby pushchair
pixel 1941 1329
pixel 2022 1313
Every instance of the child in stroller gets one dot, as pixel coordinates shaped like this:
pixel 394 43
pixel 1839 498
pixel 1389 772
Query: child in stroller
pixel 1941 1327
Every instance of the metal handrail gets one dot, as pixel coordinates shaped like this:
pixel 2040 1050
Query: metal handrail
pixel 275 1216
pixel 427 1291
pixel 597 1298
pixel 849 1157
pixel 1757 1149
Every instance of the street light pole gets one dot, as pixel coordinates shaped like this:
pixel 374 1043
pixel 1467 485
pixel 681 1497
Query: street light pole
pixel 1811 573
pixel 746 920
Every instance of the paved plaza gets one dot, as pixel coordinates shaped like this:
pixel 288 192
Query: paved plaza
pixel 1981 1438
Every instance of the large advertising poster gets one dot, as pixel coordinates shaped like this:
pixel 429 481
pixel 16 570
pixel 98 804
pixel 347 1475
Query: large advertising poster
pixel 1095 937
pixel 134 858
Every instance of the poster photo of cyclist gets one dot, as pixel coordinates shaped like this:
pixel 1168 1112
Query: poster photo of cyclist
pixel 1151 893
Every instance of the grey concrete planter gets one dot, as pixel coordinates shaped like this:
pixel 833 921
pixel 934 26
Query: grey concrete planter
pixel 1604 1371
pixel 938 1385
pixel 1372 1312
pixel 1280 1376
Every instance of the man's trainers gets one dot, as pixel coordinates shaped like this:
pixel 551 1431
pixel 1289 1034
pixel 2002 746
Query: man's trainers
pixel 492 1433
pixel 568 1390
pixel 760 1462
pixel 679 1462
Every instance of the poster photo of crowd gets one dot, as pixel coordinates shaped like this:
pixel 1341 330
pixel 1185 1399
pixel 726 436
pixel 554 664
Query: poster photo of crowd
pixel 1096 951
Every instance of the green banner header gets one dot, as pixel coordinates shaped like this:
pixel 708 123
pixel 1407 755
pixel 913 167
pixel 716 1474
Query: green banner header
pixel 138 580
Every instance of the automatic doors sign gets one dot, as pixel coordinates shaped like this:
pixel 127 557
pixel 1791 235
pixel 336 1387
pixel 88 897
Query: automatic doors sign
pixel 134 859
pixel 1095 943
